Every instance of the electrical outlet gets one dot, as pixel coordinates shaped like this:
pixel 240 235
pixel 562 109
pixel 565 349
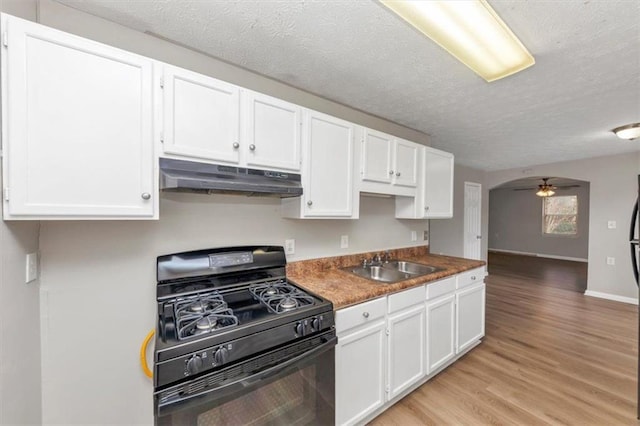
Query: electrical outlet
pixel 290 246
pixel 425 235
pixel 31 267
pixel 414 235
pixel 611 224
pixel 611 261
pixel 344 241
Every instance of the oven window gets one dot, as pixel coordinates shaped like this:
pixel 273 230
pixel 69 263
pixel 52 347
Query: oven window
pixel 290 400
pixel 303 395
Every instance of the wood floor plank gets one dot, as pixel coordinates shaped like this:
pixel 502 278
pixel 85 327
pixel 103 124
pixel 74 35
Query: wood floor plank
pixel 550 356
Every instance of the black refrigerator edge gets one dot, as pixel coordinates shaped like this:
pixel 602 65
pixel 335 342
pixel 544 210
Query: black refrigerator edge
pixel 634 240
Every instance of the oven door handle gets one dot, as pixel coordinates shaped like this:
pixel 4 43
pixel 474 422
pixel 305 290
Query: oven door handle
pixel 230 388
pixel 269 372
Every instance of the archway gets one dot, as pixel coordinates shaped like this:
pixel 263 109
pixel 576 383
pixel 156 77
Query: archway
pixel 541 236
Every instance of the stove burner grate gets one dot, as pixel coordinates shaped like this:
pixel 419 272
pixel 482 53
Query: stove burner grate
pixel 280 297
pixel 202 314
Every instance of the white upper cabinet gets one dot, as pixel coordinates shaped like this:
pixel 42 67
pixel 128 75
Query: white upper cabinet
pixel 389 164
pixel 434 197
pixel 210 120
pixel 78 127
pixel 438 184
pixel 201 116
pixel 327 172
pixel 377 157
pixel 272 131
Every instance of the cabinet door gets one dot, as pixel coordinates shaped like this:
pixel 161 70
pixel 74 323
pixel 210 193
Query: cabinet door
pixel 272 132
pixel 201 116
pixel 406 349
pixel 470 316
pixel 438 185
pixel 328 171
pixel 406 163
pixel 78 135
pixel 360 367
pixel 441 316
pixel 376 157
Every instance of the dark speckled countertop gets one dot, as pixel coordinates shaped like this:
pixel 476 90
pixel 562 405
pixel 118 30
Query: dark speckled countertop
pixel 323 276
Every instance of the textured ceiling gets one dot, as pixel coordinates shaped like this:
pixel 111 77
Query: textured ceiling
pixel 586 79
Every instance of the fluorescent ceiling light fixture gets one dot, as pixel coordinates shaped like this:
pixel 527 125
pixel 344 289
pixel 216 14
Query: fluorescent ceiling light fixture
pixel 630 131
pixel 471 31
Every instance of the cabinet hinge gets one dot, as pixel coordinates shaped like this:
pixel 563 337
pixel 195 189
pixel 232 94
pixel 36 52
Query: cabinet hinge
pixel 6 193
pixel 5 39
pixel 387 389
pixel 162 82
pixel 161 137
pixel 386 331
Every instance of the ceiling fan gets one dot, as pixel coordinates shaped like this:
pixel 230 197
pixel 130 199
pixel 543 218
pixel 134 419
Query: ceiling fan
pixel 545 189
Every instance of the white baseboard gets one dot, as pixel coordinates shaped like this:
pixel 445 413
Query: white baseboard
pixel 610 296
pixel 547 256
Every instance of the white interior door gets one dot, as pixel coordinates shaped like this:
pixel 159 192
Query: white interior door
pixel 472 220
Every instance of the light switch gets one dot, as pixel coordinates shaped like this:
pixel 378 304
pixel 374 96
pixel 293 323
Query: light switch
pixel 31 267
pixel 290 246
pixel 611 261
pixel 611 224
pixel 414 235
pixel 344 241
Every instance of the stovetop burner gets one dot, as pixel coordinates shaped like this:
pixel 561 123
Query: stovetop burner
pixel 202 314
pixel 280 297
pixel 223 305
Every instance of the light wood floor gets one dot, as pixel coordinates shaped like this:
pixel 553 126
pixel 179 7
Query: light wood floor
pixel 550 356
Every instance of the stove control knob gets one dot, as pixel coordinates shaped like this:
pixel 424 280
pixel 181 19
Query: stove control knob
pixel 300 328
pixel 316 324
pixel 194 364
pixel 220 355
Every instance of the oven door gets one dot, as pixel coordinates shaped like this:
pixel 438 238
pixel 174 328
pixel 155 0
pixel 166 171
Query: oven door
pixel 292 385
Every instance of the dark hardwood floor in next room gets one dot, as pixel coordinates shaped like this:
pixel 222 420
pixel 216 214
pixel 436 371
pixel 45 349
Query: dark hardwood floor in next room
pixel 550 356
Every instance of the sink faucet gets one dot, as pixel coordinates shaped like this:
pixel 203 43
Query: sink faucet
pixel 376 259
pixel 386 257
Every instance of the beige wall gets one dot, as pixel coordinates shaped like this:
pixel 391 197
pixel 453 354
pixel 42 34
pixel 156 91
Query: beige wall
pixel 515 224
pixel 447 235
pixel 613 191
pixel 20 379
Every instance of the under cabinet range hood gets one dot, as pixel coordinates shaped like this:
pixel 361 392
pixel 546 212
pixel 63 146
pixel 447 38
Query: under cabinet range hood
pixel 191 176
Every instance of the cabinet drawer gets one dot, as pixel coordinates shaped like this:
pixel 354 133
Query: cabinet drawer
pixel 438 288
pixel 406 298
pixel 470 277
pixel 363 313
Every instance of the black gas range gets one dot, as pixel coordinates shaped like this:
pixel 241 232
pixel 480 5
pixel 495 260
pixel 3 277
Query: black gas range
pixel 230 323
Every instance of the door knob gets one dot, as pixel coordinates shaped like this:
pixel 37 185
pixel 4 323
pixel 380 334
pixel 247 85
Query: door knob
pixel 252 147
pixel 146 196
pixel 236 145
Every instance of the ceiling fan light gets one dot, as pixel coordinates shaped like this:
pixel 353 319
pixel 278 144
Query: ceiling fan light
pixel 629 131
pixel 469 30
pixel 545 193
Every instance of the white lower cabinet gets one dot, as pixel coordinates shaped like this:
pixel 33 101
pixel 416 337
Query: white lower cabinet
pixel 441 331
pixel 389 346
pixel 360 361
pixel 406 348
pixel 470 312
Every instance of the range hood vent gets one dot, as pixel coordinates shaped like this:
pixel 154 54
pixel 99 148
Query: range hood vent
pixel 191 176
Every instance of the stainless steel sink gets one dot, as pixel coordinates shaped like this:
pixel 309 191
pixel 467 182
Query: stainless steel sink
pixel 393 271
pixel 411 267
pixel 379 273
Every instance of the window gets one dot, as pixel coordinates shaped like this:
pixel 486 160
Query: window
pixel 560 215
